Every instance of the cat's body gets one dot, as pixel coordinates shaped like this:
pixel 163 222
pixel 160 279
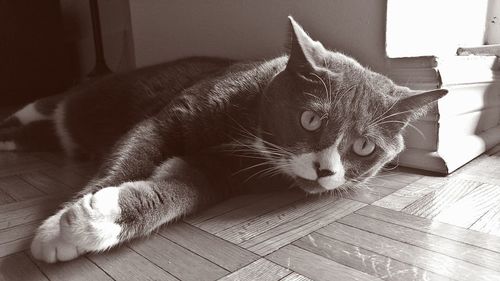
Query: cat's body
pixel 183 135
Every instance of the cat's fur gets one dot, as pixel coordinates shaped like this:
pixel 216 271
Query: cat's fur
pixel 180 136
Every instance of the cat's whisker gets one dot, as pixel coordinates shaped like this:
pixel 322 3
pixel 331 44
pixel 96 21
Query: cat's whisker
pixel 322 81
pixel 276 168
pixel 390 169
pixel 272 152
pixel 251 167
pixel 271 146
pixel 404 124
pixel 383 176
pixel 259 172
pixel 376 138
pixel 417 129
pixel 376 122
pixel 341 95
pixel 252 151
pixel 313 96
pixel 330 92
pixel 385 112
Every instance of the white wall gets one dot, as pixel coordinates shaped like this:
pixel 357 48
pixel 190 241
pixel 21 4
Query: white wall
pixel 251 29
pixel 493 22
pixel 161 30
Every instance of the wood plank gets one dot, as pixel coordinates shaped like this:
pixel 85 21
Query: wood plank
pixel 314 266
pixel 281 235
pixel 44 183
pixel 75 181
pixel 25 213
pixel 18 267
pixel 249 229
pixel 5 198
pixel 452 248
pixel 227 255
pixel 124 264
pixel 271 202
pixel 53 157
pixel 13 158
pixel 18 188
pixel 433 203
pixel 12 163
pixel 471 207
pixel 294 276
pixel 261 269
pixel 484 167
pixel 409 194
pixel 43 200
pixel 480 179
pixel 368 194
pixel 20 231
pixel 177 260
pixel 449 231
pixel 80 269
pixel 15 246
pixel 489 222
pixel 363 260
pixel 83 167
pixel 395 180
pixel 224 207
pixel 425 259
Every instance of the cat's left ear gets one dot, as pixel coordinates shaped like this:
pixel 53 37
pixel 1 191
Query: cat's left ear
pixel 413 107
pixel 304 52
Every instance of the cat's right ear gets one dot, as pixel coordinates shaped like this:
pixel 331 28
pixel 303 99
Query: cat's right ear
pixel 413 107
pixel 304 52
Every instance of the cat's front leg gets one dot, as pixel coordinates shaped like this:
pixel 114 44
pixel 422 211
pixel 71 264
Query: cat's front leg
pixel 100 220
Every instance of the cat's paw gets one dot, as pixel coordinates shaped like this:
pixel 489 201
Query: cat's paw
pixel 84 226
pixel 90 222
pixel 48 244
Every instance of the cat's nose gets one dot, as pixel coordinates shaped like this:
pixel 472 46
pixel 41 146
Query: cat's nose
pixel 322 172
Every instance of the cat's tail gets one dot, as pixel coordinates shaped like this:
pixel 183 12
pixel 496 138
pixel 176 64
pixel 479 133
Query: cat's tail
pixel 31 127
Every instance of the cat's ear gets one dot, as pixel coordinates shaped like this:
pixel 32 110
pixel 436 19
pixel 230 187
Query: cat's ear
pixel 304 52
pixel 413 107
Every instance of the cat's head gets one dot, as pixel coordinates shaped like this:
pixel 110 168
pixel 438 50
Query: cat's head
pixel 329 122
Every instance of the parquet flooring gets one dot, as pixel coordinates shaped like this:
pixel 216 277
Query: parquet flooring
pixel 404 225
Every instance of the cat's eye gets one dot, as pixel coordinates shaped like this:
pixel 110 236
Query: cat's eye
pixel 310 121
pixel 363 147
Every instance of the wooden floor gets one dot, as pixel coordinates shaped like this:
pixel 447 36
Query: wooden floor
pixel 403 226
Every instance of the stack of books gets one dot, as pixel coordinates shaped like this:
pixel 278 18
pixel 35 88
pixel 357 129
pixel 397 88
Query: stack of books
pixel 463 124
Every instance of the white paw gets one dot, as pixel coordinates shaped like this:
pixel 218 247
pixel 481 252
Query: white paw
pixel 87 225
pixel 48 244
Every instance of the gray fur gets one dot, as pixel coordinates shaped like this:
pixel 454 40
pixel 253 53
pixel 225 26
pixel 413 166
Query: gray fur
pixel 180 136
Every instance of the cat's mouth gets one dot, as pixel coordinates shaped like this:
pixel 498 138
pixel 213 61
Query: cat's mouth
pixel 310 186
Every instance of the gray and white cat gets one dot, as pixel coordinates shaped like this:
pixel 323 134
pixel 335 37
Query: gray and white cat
pixel 177 137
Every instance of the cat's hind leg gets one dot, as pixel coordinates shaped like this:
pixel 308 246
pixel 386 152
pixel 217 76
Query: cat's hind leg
pixel 35 136
pixel 39 110
pixel 31 127
pixel 100 220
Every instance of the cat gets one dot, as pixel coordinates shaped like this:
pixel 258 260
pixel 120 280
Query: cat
pixel 180 136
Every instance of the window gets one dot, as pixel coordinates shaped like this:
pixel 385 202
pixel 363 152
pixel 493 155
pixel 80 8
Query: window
pixel 438 27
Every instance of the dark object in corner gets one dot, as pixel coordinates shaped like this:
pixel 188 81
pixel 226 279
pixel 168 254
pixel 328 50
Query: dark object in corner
pixel 100 67
pixel 34 60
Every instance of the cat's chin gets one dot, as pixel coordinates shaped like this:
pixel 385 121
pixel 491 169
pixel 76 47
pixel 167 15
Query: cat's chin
pixel 310 186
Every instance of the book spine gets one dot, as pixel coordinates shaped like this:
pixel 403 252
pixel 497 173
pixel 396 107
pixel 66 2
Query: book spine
pixel 463 99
